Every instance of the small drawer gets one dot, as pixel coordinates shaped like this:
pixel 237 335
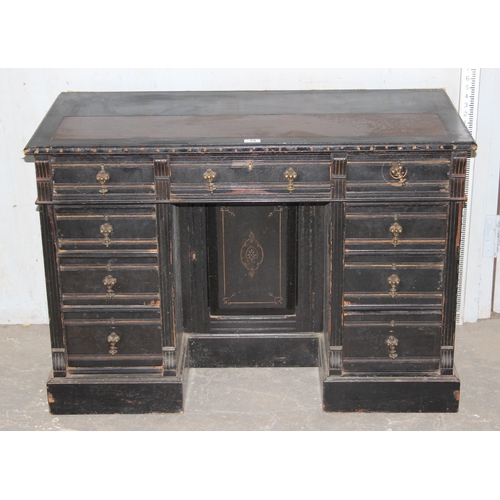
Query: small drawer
pixel 112 313
pixel 104 179
pixel 118 343
pixel 396 284
pixel 426 316
pixel 232 178
pixel 399 227
pixel 398 176
pixel 373 253
pixel 103 228
pixel 109 281
pixel 391 345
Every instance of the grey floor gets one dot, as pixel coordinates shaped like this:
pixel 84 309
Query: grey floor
pixel 250 398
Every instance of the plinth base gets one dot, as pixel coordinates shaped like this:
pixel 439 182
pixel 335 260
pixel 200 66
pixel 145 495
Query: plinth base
pixel 98 395
pixel 438 394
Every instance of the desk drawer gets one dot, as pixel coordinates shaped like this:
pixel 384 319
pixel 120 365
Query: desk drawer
pixel 112 313
pixel 390 227
pixel 387 285
pixel 114 343
pixel 109 281
pixel 398 177
pixel 230 178
pixel 396 345
pixel 106 228
pixel 103 179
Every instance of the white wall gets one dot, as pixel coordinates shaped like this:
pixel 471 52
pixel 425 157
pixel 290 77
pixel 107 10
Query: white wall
pixel 483 200
pixel 27 94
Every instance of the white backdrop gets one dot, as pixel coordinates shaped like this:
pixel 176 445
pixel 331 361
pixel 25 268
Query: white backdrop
pixel 27 94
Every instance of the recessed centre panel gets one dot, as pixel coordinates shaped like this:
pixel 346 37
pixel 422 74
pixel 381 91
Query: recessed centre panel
pixel 252 259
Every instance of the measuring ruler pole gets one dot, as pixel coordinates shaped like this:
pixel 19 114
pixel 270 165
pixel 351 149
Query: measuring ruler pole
pixel 469 87
pixel 468 92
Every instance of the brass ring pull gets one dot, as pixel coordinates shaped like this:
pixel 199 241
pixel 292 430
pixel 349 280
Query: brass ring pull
pixel 113 339
pixel 394 281
pixel 102 177
pixel 109 282
pixel 290 176
pixel 106 230
pixel 392 342
pixel 396 230
pixel 209 176
pixel 399 173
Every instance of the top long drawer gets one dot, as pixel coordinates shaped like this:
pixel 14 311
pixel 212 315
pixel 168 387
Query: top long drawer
pixel 382 177
pixel 103 178
pixel 228 178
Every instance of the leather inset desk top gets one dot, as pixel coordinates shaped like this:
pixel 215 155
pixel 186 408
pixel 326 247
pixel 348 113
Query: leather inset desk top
pixel 249 126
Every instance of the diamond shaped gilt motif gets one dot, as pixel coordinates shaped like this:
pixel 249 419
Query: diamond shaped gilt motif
pixel 251 255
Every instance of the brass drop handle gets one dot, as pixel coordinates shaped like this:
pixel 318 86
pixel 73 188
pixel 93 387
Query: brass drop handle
pixel 396 230
pixel 392 342
pixel 102 177
pixel 399 173
pixel 394 281
pixel 290 176
pixel 106 230
pixel 113 339
pixel 109 282
pixel 209 176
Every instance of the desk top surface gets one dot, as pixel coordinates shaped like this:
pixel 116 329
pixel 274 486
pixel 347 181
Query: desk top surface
pixel 249 118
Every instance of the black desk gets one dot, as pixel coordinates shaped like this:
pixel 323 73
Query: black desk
pixel 218 229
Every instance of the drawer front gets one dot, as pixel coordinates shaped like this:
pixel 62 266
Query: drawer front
pixel 231 178
pixel 398 177
pixel 396 346
pixel 433 316
pixel 109 281
pixel 393 284
pixel 369 255
pixel 112 313
pixel 392 341
pixel 370 340
pixel 113 343
pixel 102 228
pixel 103 179
pixel 396 227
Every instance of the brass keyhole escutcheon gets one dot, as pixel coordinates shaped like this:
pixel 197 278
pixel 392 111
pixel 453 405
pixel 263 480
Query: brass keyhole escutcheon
pixel 102 177
pixel 396 230
pixel 290 176
pixel 109 282
pixel 399 173
pixel 209 176
pixel 392 342
pixel 393 281
pixel 113 339
pixel 106 230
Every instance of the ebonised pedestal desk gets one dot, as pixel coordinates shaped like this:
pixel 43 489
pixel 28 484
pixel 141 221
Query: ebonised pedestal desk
pixel 248 229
